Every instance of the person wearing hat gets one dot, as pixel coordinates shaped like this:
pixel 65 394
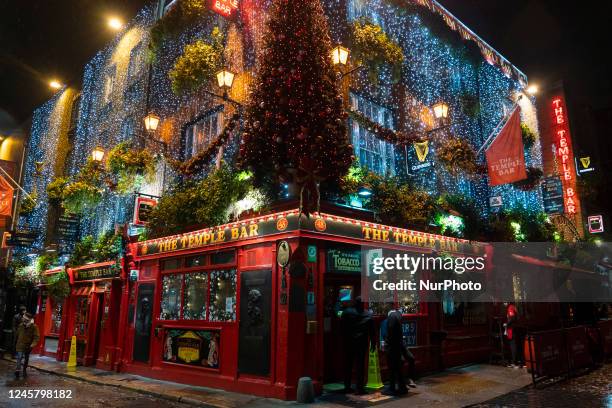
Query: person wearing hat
pixel 27 338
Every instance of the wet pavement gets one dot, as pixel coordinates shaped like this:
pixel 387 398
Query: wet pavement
pixel 84 394
pixel 592 390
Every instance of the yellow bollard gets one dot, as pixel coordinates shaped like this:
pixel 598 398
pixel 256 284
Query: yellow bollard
pixel 72 362
pixel 374 378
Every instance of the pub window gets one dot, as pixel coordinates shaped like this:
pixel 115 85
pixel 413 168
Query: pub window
pixel 372 152
pixel 223 296
pixel 56 318
pixel 202 132
pixel 171 297
pixel 171 264
pixel 185 296
pixel 194 261
pixel 196 290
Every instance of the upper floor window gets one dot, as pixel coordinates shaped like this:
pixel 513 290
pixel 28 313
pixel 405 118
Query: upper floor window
pixel 373 153
pixel 200 133
pixel 137 62
pixel 109 85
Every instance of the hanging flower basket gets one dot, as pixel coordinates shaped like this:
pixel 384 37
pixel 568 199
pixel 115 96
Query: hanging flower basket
pixel 534 175
pixel 529 136
pixel 374 49
pixel 457 156
pixel 28 204
pixel 132 167
pixel 80 197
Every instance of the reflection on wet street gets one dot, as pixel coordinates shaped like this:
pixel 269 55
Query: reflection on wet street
pixel 83 394
pixel 593 390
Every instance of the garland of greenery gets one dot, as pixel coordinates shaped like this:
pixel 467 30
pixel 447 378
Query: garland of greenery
pixel 384 133
pixel 107 247
pixel 457 155
pixel 199 63
pixel 196 164
pixel 184 14
pixel 534 175
pixel 131 166
pixel 529 136
pixel 201 203
pixel 374 49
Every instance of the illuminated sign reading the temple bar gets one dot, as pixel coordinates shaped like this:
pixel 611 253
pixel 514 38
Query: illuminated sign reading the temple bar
pixel 225 7
pixel 565 155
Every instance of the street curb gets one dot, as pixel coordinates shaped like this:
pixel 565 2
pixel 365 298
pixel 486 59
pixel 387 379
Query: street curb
pixel 182 400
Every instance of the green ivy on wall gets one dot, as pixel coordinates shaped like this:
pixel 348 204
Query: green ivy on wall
pixel 132 167
pixel 374 49
pixel 457 155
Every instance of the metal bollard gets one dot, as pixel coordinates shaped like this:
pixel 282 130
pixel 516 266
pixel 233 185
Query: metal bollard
pixel 305 391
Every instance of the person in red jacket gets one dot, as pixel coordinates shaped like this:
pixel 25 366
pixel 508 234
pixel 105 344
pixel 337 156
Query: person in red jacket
pixel 511 317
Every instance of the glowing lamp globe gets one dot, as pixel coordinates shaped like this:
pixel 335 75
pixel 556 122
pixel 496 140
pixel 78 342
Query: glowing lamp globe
pixel 225 79
pixel 340 55
pixel 440 110
pixel 151 122
pixel 97 154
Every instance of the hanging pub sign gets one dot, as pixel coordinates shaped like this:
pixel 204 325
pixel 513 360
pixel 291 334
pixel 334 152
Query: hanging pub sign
pixel 584 165
pixel 192 347
pixel 227 8
pixel 142 210
pixel 23 238
pixel 506 155
pixel 552 195
pixel 596 225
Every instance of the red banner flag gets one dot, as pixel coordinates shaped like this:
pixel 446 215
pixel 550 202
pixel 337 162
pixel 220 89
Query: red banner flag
pixel 505 156
pixel 6 198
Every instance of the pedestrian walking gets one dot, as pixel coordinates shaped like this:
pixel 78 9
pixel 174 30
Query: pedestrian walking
pixel 16 322
pixel 395 351
pixel 512 335
pixel 27 338
pixel 358 329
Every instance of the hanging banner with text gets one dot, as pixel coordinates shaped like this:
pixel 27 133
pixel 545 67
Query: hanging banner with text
pixel 505 156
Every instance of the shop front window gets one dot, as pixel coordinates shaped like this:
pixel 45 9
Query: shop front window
pixel 196 291
pixel 171 297
pixel 185 296
pixel 82 314
pixel 223 296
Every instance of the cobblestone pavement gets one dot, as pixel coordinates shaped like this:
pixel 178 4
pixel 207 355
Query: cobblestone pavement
pixel 593 390
pixel 84 394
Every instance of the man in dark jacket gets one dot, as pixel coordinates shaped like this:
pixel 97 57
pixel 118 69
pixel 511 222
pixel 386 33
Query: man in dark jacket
pixel 359 330
pixel 16 322
pixel 27 338
pixel 395 349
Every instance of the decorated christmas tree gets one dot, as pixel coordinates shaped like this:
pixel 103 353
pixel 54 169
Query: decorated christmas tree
pixel 295 131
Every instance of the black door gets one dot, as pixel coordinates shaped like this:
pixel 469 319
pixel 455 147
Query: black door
pixel 255 314
pixel 142 323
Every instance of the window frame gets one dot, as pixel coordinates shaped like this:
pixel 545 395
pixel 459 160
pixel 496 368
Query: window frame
pixel 188 147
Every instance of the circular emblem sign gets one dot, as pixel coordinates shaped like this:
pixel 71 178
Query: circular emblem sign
pixel 320 224
pixel 282 224
pixel 283 253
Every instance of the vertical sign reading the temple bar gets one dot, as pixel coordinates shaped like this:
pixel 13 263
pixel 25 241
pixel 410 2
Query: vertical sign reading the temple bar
pixel 565 157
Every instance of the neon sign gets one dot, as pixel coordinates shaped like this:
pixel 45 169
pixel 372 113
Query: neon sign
pixel 225 7
pixel 565 155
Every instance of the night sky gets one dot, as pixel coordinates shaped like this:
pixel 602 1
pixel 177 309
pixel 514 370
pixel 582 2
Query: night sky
pixel 547 39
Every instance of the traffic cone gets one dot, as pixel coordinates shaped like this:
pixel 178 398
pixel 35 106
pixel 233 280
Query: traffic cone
pixel 72 361
pixel 374 378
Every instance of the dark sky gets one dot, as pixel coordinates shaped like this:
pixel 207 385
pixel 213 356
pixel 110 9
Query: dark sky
pixel 546 39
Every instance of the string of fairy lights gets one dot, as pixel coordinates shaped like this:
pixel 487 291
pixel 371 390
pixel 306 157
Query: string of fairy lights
pixel 116 94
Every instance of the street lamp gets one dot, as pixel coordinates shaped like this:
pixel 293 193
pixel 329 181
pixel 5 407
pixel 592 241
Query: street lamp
pixel 115 23
pixel 54 84
pixel 533 89
pixel 365 191
pixel 440 110
pixel 225 79
pixel 151 122
pixel 97 154
pixel 340 55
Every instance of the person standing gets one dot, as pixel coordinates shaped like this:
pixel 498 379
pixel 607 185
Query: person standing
pixel 395 350
pixel 27 338
pixel 511 317
pixel 359 333
pixel 16 322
